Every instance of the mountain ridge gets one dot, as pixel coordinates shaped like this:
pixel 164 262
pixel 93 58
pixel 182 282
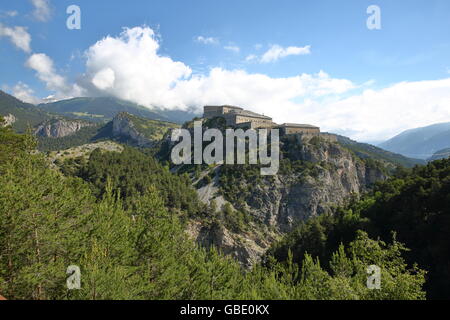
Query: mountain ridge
pixel 97 110
pixel 420 142
pixel 104 109
pixel 25 114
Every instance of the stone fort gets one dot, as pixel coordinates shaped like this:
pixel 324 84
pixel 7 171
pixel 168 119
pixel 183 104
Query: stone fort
pixel 238 117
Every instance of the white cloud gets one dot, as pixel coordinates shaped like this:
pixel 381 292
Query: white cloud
pixel 207 40
pixel 42 11
pixel 232 48
pixel 46 72
pixel 19 36
pixel 43 65
pixel 381 114
pixel 23 92
pixel 251 57
pixel 130 67
pixel 257 92
pixel 277 52
pixel 104 79
pixel 11 13
pixel 135 70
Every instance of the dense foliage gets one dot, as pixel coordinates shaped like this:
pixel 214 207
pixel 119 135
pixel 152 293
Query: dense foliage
pixel 131 173
pixel 83 136
pixel 49 221
pixel 366 151
pixel 415 204
pixel 27 115
pixel 151 129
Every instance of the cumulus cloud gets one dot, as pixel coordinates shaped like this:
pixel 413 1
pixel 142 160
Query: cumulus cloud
pixel 43 65
pixel 104 79
pixel 19 36
pixel 130 67
pixel 207 40
pixel 42 11
pixel 45 71
pixel 381 114
pixel 277 52
pixel 24 93
pixel 258 92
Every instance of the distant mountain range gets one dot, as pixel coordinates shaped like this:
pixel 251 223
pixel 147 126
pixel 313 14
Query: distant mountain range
pixel 74 122
pixel 365 151
pixel 441 154
pixel 421 143
pixel 77 121
pixel 23 114
pixel 104 109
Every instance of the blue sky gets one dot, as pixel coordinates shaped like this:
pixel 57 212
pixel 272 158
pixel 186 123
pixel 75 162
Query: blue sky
pixel 411 51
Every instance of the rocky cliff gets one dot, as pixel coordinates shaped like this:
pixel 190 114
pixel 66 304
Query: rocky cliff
pixel 315 176
pixel 124 127
pixel 60 128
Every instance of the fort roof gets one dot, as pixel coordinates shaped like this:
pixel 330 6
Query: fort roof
pixel 298 125
pixel 252 114
pixel 225 106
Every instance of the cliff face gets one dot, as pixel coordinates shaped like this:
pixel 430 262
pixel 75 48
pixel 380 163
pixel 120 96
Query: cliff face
pixel 60 128
pixel 298 195
pixel 124 127
pixel 329 174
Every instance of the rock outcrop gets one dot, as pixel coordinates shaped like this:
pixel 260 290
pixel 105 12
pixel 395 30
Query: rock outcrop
pixel 329 175
pixel 123 127
pixel 61 128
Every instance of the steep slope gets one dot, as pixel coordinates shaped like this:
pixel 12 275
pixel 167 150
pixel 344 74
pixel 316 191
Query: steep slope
pixel 60 134
pixel 414 204
pixel 103 109
pixel 139 131
pixel 19 114
pixel 366 151
pixel 59 128
pixel 248 212
pixel 420 143
pixel 64 134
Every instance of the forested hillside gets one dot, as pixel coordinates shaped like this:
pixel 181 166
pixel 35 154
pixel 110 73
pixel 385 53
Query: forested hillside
pixel 414 205
pixel 420 143
pixel 26 115
pixel 368 151
pixel 98 109
pixel 132 245
pixel 104 109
